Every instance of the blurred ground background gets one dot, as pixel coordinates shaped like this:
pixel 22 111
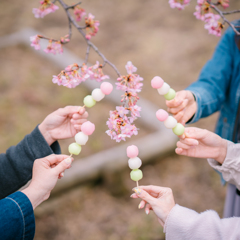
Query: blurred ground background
pixel 159 41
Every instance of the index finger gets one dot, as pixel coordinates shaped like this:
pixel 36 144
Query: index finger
pixel 153 190
pixel 174 103
pixel 55 158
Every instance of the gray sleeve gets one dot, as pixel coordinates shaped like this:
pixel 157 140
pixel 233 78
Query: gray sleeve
pixel 16 164
pixel 230 168
pixel 185 224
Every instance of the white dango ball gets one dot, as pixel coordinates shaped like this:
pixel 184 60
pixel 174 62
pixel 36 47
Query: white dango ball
pixel 134 163
pixel 164 89
pixel 81 138
pixel 97 94
pixel 170 122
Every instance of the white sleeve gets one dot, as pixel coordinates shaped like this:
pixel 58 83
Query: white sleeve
pixel 185 224
pixel 230 168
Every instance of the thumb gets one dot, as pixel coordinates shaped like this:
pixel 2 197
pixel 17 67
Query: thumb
pixel 62 166
pixel 144 195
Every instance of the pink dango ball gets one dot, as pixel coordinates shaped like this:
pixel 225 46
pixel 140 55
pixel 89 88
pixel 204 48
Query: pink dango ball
pixel 88 128
pixel 161 115
pixel 106 88
pixel 157 82
pixel 132 151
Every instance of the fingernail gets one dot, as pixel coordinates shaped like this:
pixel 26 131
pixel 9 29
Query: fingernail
pixel 62 174
pixel 147 211
pixel 195 142
pixel 68 160
pixel 137 191
pixel 140 205
pixel 132 195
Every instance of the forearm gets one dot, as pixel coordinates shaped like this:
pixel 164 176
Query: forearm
pixel 230 168
pixel 186 224
pixel 16 165
pixel 16 217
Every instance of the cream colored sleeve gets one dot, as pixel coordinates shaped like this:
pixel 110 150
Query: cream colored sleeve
pixel 230 168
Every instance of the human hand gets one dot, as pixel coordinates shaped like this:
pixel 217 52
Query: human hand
pixel 63 123
pixel 183 106
pixel 202 143
pixel 158 199
pixel 45 175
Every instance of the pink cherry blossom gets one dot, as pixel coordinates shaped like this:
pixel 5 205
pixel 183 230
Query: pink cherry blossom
pixel 122 111
pixel 120 122
pixel 35 42
pixel 202 8
pixel 224 3
pixel 179 4
pixel 79 13
pixel 72 76
pixel 96 72
pixel 212 24
pixel 91 26
pixel 54 47
pixel 46 7
pixel 130 68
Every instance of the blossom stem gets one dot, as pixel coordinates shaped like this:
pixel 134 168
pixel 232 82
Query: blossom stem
pixel 87 54
pixel 74 5
pixel 231 12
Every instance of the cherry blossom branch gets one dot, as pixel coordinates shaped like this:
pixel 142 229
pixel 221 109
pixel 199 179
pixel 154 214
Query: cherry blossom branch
pixel 222 16
pixel 74 5
pixel 231 12
pixel 89 43
pixel 87 54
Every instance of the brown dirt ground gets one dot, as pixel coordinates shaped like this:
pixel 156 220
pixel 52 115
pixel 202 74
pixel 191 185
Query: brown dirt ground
pixel 159 41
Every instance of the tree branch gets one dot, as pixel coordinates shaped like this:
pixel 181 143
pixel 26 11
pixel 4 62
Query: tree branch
pixel 74 5
pixel 89 43
pixel 224 19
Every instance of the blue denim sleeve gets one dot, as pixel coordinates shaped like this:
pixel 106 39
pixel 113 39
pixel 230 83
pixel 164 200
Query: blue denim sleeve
pixel 211 87
pixel 16 165
pixel 16 218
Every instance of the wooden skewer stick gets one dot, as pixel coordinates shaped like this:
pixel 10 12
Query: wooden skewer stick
pixel 137 183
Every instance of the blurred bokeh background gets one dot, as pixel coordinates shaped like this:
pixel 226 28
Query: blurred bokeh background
pixel 159 41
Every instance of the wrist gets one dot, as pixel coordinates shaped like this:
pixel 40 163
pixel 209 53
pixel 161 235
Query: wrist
pixel 34 196
pixel 45 133
pixel 222 153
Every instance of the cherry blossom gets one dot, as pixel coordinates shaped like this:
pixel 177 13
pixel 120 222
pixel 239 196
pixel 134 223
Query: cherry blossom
pixel 91 26
pixel 179 4
pixel 79 13
pixel 130 68
pixel 224 3
pixel 212 24
pixel 46 7
pixel 35 42
pixel 96 72
pixel 54 47
pixel 202 8
pixel 120 122
pixel 72 76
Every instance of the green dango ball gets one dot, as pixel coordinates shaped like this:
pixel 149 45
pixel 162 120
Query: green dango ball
pixel 74 148
pixel 136 175
pixel 170 95
pixel 178 129
pixel 89 101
